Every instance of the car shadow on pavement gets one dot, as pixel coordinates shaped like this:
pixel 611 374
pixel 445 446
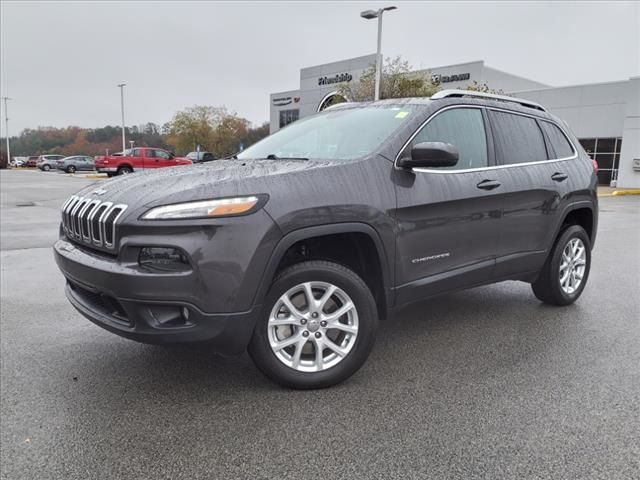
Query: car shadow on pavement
pixel 488 326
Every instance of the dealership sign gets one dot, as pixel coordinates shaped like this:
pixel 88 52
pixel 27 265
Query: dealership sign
pixel 282 101
pixel 437 78
pixel 338 78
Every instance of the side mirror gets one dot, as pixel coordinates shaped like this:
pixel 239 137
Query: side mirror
pixel 171 155
pixel 430 155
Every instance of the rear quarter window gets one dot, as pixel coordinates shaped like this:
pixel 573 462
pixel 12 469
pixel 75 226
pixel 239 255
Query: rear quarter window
pixel 518 139
pixel 559 143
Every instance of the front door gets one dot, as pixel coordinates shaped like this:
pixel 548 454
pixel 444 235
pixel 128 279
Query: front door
pixel 448 218
pixel 156 158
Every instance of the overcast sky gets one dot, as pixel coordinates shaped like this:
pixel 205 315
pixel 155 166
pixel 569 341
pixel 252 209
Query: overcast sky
pixel 61 61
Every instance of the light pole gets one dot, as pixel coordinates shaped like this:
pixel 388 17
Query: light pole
pixel 6 123
pixel 370 15
pixel 121 86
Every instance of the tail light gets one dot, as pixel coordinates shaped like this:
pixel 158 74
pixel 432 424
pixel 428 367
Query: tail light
pixel 595 165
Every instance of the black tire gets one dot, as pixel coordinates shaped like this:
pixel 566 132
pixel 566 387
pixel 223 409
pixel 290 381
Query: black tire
pixel 110 174
pixel 320 271
pixel 46 168
pixel 71 169
pixel 124 170
pixel 547 286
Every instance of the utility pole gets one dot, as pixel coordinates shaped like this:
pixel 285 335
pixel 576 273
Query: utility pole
pixel 6 123
pixel 124 143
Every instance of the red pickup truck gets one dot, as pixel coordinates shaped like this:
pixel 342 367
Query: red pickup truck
pixel 138 159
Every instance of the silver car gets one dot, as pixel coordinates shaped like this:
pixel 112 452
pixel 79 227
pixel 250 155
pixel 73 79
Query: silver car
pixel 76 163
pixel 48 162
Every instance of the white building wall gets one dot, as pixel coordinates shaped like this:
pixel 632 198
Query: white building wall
pixel 595 110
pixel 630 154
pixel 507 82
pixel 287 100
pixel 313 92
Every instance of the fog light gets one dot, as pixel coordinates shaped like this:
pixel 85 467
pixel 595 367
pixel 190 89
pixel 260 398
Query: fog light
pixel 163 259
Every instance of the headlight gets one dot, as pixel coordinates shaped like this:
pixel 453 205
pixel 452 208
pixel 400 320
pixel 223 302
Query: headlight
pixel 202 209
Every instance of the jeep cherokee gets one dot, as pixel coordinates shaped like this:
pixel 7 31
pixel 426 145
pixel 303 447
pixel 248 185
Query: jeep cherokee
pixel 296 247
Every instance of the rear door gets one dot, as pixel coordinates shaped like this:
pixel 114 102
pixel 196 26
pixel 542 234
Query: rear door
pixel 529 185
pixel 448 218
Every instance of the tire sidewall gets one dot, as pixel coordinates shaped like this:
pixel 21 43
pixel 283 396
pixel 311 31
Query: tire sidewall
pixel 568 234
pixel 71 169
pixel 124 171
pixel 266 360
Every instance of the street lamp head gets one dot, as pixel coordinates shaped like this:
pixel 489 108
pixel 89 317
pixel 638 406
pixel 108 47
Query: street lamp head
pixel 121 85
pixel 392 7
pixel 369 14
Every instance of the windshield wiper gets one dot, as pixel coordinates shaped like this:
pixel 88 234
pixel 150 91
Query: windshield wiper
pixel 273 156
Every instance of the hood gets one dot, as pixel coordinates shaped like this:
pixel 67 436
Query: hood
pixel 200 181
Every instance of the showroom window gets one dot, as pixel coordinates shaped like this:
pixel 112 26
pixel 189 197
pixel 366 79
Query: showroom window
pixel 605 151
pixel 288 116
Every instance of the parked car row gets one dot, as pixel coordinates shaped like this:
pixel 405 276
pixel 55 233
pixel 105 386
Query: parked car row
pixel 118 163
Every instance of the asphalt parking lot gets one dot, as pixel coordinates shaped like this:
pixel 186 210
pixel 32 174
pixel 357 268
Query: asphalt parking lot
pixel 487 383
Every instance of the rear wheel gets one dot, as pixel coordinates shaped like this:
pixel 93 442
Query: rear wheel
pixel 317 328
pixel 565 273
pixel 71 169
pixel 124 170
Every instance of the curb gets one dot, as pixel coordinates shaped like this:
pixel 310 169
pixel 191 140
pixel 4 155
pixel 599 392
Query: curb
pixel 631 191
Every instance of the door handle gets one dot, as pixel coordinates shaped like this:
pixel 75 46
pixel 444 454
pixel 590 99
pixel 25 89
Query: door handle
pixel 559 177
pixel 488 184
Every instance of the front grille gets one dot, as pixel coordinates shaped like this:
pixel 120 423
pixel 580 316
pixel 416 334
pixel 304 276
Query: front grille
pixel 102 303
pixel 91 221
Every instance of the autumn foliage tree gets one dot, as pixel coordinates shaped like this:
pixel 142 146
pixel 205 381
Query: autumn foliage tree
pixel 398 80
pixel 195 126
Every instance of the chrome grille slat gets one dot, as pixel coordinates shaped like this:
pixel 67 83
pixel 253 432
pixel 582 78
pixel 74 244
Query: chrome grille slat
pixel 84 217
pixel 91 221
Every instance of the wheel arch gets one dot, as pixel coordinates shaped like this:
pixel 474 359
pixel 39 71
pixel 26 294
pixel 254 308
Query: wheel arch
pixel 584 214
pixel 323 231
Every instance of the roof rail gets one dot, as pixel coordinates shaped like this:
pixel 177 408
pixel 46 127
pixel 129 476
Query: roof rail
pixel 489 96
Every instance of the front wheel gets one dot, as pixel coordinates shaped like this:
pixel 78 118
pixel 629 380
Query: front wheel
pixel 318 326
pixel 565 273
pixel 46 168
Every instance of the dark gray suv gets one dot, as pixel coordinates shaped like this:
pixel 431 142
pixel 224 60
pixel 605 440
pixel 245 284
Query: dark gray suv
pixel 296 248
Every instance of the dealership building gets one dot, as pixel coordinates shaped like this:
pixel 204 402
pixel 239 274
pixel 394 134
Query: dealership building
pixel 604 116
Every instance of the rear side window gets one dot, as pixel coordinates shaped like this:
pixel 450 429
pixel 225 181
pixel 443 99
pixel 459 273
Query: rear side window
pixel 462 128
pixel 136 152
pixel 518 138
pixel 559 143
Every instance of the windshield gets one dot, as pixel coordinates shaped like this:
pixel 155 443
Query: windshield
pixel 343 134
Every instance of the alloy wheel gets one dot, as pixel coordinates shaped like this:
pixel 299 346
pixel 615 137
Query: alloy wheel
pixel 572 266
pixel 313 326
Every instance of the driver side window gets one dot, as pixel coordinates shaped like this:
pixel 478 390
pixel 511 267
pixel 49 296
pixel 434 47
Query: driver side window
pixel 461 127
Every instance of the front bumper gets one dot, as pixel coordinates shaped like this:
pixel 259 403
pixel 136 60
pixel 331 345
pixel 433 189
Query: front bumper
pixel 146 307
